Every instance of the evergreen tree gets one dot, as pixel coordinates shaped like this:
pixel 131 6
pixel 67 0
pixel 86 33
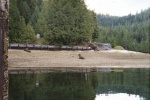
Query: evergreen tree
pixel 14 22
pixel 25 11
pixel 34 17
pixel 60 22
pixel 19 32
pixel 131 32
pixel 66 22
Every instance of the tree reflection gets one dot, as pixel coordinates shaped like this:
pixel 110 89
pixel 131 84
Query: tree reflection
pixel 132 81
pixel 78 86
pixel 52 86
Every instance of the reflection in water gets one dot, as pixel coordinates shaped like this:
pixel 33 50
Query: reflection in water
pixel 118 96
pixel 131 84
pixel 131 81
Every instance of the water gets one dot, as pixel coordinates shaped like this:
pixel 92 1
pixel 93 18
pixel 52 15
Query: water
pixel 131 84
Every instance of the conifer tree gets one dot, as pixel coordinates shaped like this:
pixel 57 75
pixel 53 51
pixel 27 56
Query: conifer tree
pixel 19 32
pixel 66 22
pixel 132 31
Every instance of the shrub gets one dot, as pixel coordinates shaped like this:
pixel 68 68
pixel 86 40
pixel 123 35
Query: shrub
pixel 119 48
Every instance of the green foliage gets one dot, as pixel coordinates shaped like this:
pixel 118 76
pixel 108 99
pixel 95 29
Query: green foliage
pixel 21 13
pixel 66 22
pixel 59 22
pixel 35 16
pixel 119 48
pixel 131 32
pixel 29 36
pixel 25 11
pixel 40 41
pixel 14 22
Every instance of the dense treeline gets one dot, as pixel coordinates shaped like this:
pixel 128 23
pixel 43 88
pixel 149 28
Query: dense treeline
pixel 68 22
pixel 132 31
pixel 59 22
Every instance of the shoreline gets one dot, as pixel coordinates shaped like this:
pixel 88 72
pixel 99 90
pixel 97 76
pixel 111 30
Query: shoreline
pixel 69 59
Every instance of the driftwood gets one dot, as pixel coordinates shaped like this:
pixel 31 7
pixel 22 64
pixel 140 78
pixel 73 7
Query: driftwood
pixel 27 50
pixel 94 47
pixel 47 47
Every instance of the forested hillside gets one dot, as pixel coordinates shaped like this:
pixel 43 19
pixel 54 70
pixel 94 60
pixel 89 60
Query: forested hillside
pixel 69 22
pixel 59 22
pixel 132 31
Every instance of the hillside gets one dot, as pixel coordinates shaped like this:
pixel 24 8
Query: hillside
pixel 132 31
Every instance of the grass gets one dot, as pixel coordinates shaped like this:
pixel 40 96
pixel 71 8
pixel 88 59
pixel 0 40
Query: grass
pixel 118 48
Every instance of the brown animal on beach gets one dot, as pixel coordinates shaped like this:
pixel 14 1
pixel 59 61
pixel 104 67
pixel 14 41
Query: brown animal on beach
pixel 27 50
pixel 80 56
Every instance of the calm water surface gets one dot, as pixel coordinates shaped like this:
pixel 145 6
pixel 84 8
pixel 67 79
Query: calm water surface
pixel 131 84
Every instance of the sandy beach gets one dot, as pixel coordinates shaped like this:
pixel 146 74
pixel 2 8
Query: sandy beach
pixel 100 59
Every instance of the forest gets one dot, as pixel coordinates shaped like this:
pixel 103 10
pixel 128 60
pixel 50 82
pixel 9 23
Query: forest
pixel 69 22
pixel 131 32
pixel 59 22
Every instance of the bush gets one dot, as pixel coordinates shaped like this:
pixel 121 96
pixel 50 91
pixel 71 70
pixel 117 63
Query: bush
pixel 40 41
pixel 119 48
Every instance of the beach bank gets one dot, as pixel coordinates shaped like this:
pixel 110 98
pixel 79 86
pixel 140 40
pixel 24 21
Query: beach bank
pixel 100 59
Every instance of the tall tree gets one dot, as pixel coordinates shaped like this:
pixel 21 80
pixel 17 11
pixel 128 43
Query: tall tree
pixel 19 32
pixel 66 22
pixel 25 11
